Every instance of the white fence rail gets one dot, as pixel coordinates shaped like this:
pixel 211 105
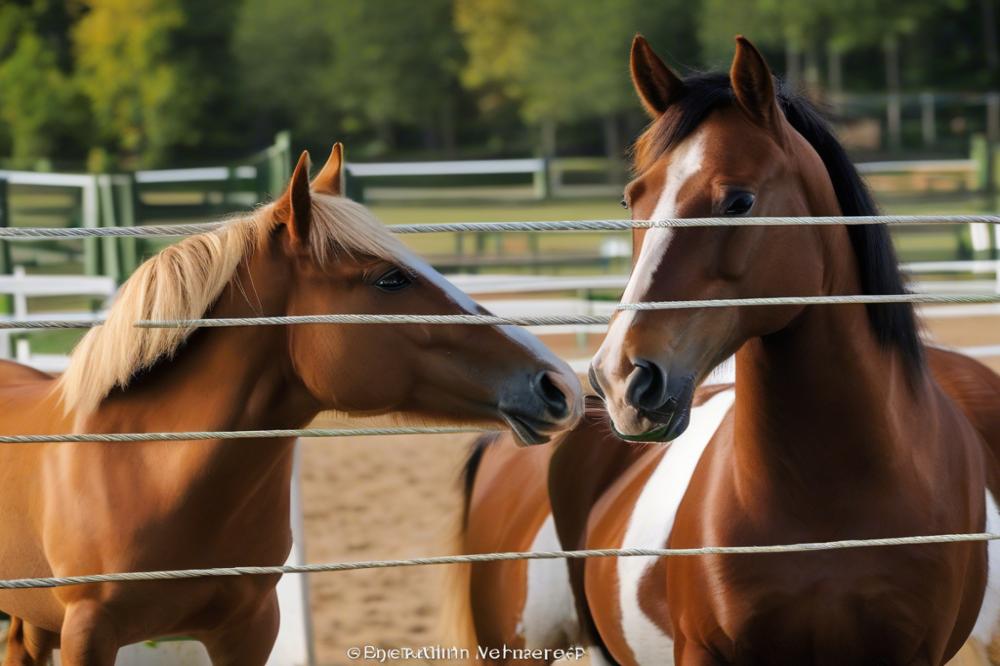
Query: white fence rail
pixel 481 285
pixel 22 287
pixel 917 166
pixel 445 168
pixel 548 174
pixel 195 175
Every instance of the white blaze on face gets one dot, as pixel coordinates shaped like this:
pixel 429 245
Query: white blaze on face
pixel 466 305
pixel 686 162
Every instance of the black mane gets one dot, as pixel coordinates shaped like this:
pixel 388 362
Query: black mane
pixel 894 324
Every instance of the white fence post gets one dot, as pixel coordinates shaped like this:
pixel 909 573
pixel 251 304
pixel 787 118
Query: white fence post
pixel 294 644
pixel 980 234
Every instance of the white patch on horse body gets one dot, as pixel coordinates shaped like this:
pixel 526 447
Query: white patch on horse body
pixel 687 162
pixel 651 522
pixel 989 613
pixel 548 619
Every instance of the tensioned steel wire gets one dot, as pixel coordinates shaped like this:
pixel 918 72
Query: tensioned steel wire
pixel 191 435
pixel 510 320
pixel 167 230
pixel 139 576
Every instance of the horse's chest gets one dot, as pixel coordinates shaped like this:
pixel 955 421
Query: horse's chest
pixel 639 628
pixel 814 607
pixel 821 628
pixel 641 621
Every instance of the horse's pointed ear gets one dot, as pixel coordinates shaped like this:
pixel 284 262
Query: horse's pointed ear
pixel 330 178
pixel 295 205
pixel 753 85
pixel 657 85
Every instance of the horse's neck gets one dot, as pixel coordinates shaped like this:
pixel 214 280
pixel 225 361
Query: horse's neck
pixel 221 379
pixel 823 399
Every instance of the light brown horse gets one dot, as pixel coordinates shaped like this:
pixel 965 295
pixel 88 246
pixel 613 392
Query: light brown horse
pixel 841 424
pixel 69 509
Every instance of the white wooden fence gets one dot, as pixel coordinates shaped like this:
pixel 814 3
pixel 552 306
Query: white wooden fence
pixel 21 287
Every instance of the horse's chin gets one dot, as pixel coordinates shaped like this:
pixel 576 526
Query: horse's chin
pixel 665 427
pixel 529 431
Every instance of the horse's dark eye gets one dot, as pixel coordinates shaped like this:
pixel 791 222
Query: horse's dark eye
pixel 740 204
pixel 393 280
pixel 624 202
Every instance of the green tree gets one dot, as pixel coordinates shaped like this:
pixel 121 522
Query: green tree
pixel 41 108
pixel 809 31
pixel 353 68
pixel 396 61
pixel 563 60
pixel 154 72
pixel 284 67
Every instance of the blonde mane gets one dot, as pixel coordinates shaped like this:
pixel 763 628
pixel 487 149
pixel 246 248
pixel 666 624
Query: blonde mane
pixel 184 281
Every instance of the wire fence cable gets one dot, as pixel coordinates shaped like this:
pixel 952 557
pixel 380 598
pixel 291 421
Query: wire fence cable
pixel 171 230
pixel 137 576
pixel 524 320
pixel 190 435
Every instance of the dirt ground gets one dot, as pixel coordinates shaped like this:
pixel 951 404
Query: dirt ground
pixel 389 497
pixel 368 498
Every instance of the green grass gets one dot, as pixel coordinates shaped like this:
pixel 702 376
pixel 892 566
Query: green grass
pixel 513 243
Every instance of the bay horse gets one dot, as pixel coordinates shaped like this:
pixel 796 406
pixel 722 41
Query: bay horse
pixel 841 424
pixel 69 509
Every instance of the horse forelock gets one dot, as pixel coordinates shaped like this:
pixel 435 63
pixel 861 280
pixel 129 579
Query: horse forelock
pixel 186 279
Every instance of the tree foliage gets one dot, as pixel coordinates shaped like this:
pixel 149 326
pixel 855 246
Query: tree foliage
pixel 150 72
pixel 165 81
pixel 561 60
pixel 40 102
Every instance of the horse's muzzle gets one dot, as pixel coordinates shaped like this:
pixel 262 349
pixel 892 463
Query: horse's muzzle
pixel 551 402
pixel 660 401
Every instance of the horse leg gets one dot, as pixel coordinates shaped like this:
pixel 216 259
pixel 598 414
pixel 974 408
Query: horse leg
pixel 27 645
pixel 88 636
pixel 246 640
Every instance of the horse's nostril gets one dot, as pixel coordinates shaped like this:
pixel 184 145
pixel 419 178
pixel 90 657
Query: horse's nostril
pixel 647 386
pixel 551 394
